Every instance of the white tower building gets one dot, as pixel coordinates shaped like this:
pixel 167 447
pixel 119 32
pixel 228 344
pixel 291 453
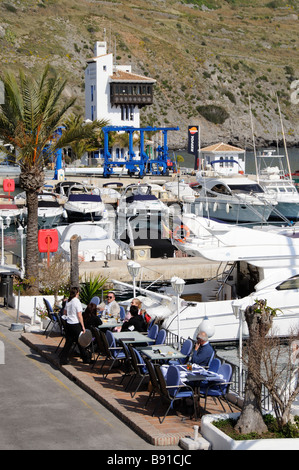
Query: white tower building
pixel 113 92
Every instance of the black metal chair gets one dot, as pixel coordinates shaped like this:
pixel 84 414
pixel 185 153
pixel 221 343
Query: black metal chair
pixel 154 384
pixel 53 317
pixel 112 352
pixel 99 344
pixel 128 366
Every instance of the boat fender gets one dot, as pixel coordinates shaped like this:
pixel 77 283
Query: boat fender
pixel 180 228
pixel 215 207
pixel 227 208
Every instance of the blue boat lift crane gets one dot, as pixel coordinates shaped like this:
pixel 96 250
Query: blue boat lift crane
pixel 141 164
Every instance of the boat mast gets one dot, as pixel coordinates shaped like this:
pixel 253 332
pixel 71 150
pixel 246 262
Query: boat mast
pixel 284 141
pixel 253 140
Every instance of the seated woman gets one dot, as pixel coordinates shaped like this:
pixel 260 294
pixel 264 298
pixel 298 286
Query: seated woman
pixel 136 322
pixel 90 315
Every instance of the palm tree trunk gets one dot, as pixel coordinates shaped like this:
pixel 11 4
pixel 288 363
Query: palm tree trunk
pixel 32 253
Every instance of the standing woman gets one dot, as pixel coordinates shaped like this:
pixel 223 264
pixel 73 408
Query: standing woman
pixel 74 326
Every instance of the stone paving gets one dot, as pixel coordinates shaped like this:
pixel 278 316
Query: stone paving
pixel 112 394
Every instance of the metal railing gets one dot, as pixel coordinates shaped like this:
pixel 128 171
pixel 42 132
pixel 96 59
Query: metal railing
pixel 238 380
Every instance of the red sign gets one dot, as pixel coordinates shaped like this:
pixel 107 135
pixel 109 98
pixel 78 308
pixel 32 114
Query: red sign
pixel 47 240
pixel 8 186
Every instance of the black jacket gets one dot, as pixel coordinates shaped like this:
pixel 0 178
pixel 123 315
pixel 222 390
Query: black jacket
pixel 137 322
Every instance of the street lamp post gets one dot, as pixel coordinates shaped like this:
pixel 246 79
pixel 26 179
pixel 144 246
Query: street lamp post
pixel 238 311
pixel 2 226
pixel 21 234
pixel 133 269
pixel 178 286
pixel 2 240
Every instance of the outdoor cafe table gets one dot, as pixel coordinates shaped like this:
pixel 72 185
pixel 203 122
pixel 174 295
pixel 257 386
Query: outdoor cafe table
pixel 161 351
pixel 110 323
pixel 132 337
pixel 195 376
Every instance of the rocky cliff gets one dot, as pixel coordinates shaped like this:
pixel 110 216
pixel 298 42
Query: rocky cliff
pixel 213 60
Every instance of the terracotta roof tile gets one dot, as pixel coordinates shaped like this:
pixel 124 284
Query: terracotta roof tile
pixel 121 76
pixel 221 147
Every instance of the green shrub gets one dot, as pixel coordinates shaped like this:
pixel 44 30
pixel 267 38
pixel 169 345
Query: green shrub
pixel 91 286
pixel 212 113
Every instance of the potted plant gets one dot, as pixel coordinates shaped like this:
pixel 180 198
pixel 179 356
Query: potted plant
pixel 263 368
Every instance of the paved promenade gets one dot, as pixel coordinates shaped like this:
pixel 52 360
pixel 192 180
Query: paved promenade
pixel 113 395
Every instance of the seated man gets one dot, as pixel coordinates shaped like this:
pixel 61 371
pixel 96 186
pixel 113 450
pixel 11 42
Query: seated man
pixel 136 322
pixel 203 351
pixel 110 307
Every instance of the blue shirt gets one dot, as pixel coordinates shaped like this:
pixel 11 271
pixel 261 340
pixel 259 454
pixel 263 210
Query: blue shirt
pixel 203 355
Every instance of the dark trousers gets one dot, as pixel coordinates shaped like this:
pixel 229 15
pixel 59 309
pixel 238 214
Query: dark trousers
pixel 71 336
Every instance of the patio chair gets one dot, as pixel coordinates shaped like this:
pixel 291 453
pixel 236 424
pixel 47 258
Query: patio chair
pixel 161 337
pixel 186 350
pixel 172 390
pixel 211 359
pixel 217 389
pixel 53 317
pixel 122 313
pixel 128 362
pixel 99 344
pixel 113 353
pixel 215 365
pixel 153 332
pixel 140 369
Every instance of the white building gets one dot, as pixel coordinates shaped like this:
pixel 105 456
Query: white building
pixel 113 92
pixel 225 159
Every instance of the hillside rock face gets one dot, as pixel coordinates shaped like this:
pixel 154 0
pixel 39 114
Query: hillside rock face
pixel 230 67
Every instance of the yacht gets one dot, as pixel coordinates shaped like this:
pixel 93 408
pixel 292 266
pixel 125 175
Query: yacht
pixel 137 199
pixel 50 211
pixel 236 199
pixel 275 181
pixel 256 265
pixel 10 211
pixel 191 232
pixel 81 203
pixel 96 242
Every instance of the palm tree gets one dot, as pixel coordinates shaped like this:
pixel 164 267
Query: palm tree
pixel 33 110
pixel 93 140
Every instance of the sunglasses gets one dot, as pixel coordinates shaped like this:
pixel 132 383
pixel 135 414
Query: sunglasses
pixel 109 296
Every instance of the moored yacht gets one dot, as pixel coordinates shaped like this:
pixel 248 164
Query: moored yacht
pixel 235 199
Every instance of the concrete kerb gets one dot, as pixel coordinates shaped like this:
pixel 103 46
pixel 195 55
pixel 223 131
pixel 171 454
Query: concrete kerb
pixel 137 423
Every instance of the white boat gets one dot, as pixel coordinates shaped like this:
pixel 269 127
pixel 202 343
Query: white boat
pixel 233 198
pixel 96 243
pixel 182 191
pixel 81 204
pixel 50 211
pixel 273 178
pixel 137 199
pixel 261 266
pixel 9 210
pixel 191 232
